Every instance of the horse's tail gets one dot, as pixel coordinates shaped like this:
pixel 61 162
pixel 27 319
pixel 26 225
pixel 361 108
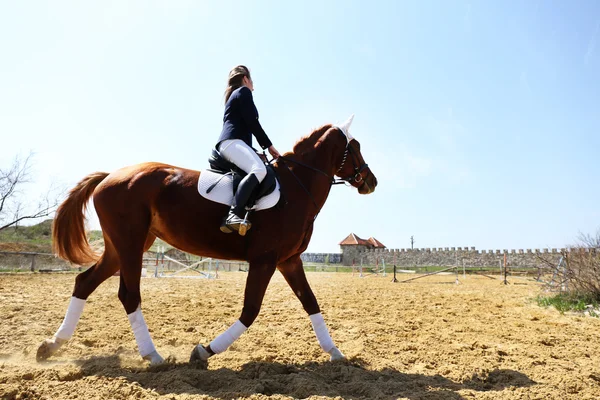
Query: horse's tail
pixel 69 240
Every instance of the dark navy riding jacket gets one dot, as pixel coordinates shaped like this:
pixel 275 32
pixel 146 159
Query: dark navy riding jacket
pixel 241 119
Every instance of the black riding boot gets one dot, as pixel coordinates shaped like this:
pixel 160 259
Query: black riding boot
pixel 235 220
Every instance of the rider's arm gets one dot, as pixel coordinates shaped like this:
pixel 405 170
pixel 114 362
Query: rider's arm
pixel 250 116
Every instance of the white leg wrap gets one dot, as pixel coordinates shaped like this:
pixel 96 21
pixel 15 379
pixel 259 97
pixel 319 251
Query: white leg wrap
pixel 320 328
pixel 225 339
pixel 140 331
pixel 69 324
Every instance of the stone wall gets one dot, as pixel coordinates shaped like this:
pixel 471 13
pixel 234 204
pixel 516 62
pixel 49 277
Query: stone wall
pixel 328 258
pixel 446 256
pixel 352 254
pixel 451 256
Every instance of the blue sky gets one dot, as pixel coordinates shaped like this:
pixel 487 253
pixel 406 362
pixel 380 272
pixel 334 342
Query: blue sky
pixel 480 119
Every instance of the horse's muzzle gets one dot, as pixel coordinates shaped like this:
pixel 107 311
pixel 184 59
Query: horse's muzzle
pixel 368 184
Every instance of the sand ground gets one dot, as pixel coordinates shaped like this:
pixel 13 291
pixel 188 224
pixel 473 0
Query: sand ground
pixel 429 339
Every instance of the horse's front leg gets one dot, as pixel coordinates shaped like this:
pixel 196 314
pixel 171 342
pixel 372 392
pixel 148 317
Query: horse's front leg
pixel 293 272
pixel 259 276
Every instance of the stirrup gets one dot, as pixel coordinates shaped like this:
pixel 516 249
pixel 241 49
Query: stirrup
pixel 244 227
pixel 240 225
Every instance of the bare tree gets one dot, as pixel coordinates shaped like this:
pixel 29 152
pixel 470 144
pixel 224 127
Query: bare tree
pixel 13 208
pixel 583 265
pixel 589 241
pixel 578 271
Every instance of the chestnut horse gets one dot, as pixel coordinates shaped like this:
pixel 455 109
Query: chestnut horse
pixel 137 204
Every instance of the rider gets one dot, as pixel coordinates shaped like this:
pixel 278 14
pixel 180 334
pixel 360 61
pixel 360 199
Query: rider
pixel 240 122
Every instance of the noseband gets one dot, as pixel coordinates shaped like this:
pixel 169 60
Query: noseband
pixel 357 177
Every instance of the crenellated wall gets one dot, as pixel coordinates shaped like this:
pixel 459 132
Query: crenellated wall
pixel 354 255
pixel 453 255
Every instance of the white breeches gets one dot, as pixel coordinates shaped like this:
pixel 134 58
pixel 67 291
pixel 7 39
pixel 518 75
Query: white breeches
pixel 236 151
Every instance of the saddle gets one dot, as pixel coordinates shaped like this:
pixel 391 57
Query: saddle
pixel 221 166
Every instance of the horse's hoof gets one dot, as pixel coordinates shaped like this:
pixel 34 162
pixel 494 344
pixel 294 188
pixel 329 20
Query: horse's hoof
pixel 48 348
pixel 336 354
pixel 154 358
pixel 44 351
pixel 200 357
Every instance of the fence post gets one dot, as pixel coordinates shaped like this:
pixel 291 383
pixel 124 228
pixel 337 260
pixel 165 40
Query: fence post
pixel 505 271
pixel 156 266
pixel 33 263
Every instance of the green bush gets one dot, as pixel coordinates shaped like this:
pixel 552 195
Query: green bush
pixel 564 302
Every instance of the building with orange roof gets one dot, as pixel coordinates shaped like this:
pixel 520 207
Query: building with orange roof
pixel 352 245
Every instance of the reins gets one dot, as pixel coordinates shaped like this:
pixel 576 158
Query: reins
pixel 284 159
pixel 357 177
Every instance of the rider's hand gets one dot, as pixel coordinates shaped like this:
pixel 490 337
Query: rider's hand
pixel 274 152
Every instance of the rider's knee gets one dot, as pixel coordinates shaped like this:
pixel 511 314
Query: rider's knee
pixel 260 171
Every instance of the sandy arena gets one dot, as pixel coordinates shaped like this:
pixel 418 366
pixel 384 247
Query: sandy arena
pixel 429 339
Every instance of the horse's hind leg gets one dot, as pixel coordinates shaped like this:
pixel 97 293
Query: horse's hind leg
pixel 85 283
pixel 130 247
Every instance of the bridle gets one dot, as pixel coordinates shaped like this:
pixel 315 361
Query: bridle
pixel 357 177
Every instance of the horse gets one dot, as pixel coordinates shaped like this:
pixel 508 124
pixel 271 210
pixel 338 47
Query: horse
pixel 137 204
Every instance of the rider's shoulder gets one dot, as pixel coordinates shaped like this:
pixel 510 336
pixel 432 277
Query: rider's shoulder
pixel 242 91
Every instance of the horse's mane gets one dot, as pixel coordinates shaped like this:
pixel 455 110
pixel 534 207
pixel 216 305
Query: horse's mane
pixel 309 142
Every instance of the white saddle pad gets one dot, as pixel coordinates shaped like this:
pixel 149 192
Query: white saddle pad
pixel 223 191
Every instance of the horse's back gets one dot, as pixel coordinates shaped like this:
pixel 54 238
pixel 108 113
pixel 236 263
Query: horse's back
pixel 147 176
pixel 140 185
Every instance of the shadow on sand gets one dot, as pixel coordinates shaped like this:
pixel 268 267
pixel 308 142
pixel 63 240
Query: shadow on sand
pixel 348 379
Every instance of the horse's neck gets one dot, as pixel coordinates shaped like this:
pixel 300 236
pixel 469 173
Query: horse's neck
pixel 321 159
pixel 315 182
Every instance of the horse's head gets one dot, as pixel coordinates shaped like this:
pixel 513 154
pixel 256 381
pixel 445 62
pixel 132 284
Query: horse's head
pixel 332 151
pixel 353 168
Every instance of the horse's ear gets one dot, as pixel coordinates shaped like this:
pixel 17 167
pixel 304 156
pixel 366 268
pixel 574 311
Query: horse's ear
pixel 345 127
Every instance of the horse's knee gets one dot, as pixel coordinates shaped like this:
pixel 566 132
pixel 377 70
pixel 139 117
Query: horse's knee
pixel 130 300
pixel 309 302
pixel 312 308
pixel 122 293
pixel 249 314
